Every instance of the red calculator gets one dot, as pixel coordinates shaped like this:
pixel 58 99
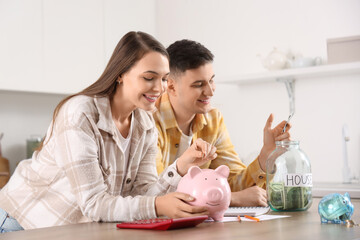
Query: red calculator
pixel 163 223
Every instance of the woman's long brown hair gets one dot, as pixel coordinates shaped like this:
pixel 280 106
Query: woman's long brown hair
pixel 130 49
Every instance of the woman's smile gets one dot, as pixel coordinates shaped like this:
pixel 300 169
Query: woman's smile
pixel 151 98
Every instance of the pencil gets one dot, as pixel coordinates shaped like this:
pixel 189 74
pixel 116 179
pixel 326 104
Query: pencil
pixel 252 218
pixel 239 219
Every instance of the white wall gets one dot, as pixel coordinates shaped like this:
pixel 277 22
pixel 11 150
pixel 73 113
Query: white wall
pixel 236 31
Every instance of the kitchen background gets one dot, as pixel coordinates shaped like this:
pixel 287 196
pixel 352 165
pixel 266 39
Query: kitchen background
pixel 51 48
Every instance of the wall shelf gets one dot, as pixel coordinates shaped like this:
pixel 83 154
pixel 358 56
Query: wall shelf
pixel 295 73
pixel 290 76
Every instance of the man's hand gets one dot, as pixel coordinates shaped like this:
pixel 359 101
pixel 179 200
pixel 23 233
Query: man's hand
pixel 270 136
pixel 196 155
pixel 249 197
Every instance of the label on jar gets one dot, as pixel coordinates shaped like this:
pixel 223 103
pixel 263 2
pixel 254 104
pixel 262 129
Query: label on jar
pixel 298 180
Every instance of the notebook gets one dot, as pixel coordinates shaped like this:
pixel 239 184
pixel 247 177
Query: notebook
pixel 241 211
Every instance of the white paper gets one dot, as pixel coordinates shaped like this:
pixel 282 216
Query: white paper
pixel 261 218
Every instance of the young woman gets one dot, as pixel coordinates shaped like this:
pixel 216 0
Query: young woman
pixel 97 162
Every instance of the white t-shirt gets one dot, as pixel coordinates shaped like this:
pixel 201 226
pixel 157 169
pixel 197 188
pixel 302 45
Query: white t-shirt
pixel 185 142
pixel 125 142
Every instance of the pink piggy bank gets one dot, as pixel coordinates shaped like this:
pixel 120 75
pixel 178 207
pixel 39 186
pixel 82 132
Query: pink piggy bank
pixel 209 188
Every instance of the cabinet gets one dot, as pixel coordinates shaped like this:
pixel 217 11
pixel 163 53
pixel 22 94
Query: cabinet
pixel 73 53
pixel 20 43
pixel 50 46
pixel 61 47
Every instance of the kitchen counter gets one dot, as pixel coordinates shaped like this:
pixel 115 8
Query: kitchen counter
pixel 322 189
pixel 300 225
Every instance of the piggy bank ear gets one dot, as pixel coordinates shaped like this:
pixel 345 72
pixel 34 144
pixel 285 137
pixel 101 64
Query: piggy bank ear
pixel 223 171
pixel 193 171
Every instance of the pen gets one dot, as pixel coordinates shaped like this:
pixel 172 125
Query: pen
pixel 252 218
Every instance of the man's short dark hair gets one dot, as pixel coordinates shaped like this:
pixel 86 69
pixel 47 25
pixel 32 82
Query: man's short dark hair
pixel 187 54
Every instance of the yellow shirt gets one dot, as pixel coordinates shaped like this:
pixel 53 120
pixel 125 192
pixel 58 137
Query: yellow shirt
pixel 211 128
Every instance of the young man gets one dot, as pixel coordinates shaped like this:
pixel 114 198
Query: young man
pixel 184 114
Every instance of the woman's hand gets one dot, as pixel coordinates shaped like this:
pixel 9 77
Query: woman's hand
pixel 196 155
pixel 249 197
pixel 270 136
pixel 175 205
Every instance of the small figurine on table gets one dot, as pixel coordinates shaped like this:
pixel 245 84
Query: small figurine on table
pixel 336 208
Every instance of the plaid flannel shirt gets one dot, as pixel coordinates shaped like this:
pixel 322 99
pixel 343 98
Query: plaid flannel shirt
pixel 80 175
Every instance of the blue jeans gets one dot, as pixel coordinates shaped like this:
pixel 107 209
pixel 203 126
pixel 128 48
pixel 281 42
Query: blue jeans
pixel 7 223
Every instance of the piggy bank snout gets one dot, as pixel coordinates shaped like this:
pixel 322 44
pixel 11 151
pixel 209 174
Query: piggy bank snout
pixel 214 195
